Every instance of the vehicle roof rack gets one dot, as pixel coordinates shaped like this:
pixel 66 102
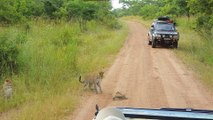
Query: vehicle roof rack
pixel 164 18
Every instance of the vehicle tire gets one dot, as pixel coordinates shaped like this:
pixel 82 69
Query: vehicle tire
pixel 148 37
pixel 175 44
pixel 149 43
pixel 153 44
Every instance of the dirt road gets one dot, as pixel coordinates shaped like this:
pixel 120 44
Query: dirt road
pixel 149 77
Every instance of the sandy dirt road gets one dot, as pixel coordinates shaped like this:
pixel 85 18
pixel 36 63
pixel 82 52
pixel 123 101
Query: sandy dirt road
pixel 149 77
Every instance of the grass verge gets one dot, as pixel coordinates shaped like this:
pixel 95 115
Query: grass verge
pixel 50 60
pixel 195 50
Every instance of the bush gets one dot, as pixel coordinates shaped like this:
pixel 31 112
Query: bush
pixel 204 25
pixel 9 49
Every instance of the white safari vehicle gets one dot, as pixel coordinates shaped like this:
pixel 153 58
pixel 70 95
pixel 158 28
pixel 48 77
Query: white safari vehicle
pixel 127 113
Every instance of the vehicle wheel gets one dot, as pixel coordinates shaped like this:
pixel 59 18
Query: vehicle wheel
pixel 153 44
pixel 148 37
pixel 175 44
pixel 149 43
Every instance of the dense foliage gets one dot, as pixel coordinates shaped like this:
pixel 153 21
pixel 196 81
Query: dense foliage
pixel 9 49
pixel 202 10
pixel 22 12
pixel 16 11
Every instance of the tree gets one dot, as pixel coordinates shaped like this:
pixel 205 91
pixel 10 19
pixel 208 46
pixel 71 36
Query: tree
pixel 14 11
pixel 90 10
pixel 10 12
pixel 203 10
pixel 153 9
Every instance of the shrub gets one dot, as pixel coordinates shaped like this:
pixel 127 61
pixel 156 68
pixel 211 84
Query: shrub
pixel 9 49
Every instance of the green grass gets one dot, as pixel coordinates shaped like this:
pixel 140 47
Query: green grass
pixel 50 61
pixel 196 51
